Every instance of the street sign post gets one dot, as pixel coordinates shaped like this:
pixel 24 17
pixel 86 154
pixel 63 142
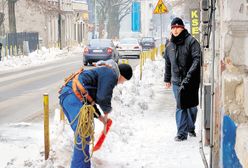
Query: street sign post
pixel 160 9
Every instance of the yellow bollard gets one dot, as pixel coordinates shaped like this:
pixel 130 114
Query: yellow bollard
pixel 144 58
pixel 126 61
pixel 6 51
pixel 62 115
pixel 15 50
pixel 10 51
pixel 162 48
pixel 153 54
pixel 141 61
pixel 46 125
pixel 3 52
pixel 156 52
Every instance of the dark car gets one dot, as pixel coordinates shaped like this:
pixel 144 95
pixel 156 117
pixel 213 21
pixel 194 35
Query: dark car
pixel 99 49
pixel 147 43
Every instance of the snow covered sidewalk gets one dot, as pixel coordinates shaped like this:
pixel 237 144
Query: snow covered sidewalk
pixel 144 127
pixel 146 140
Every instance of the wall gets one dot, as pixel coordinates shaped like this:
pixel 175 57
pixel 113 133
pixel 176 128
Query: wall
pixel 233 42
pixel 43 18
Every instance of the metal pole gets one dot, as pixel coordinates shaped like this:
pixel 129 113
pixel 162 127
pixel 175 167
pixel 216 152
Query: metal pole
pixel 46 125
pixel 59 26
pixel 95 18
pixel 212 116
pixel 161 31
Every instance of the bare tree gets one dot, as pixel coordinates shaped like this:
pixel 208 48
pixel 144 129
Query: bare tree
pixel 112 12
pixel 12 18
pixel 119 9
pixel 186 6
pixel 102 15
pixel 2 29
pixel 2 17
pixel 44 5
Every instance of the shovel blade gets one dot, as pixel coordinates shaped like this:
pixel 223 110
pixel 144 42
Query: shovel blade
pixel 102 136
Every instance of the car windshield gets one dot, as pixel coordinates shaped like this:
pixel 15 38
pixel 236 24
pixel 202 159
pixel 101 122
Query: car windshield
pixel 147 40
pixel 129 41
pixel 100 43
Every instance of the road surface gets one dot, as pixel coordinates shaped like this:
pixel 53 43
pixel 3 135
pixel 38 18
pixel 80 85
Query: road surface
pixel 21 91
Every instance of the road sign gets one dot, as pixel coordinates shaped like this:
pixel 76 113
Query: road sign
pixel 160 8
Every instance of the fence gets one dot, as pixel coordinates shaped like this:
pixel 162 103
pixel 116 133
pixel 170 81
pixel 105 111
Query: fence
pixel 13 43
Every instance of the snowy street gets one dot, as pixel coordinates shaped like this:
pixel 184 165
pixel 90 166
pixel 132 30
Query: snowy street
pixel 27 84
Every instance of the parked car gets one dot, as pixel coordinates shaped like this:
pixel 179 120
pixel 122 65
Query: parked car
pixel 129 47
pixel 99 49
pixel 147 43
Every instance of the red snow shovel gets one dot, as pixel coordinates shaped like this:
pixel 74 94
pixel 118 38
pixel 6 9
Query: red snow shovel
pixel 102 136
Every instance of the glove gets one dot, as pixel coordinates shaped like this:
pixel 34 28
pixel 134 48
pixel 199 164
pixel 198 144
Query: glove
pixel 97 111
pixel 184 84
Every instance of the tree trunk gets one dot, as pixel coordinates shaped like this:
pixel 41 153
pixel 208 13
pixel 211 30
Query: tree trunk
pixel 2 31
pixel 113 26
pixel 12 19
pixel 101 29
pixel 101 19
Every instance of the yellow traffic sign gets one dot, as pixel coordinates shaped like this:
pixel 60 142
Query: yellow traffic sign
pixel 160 8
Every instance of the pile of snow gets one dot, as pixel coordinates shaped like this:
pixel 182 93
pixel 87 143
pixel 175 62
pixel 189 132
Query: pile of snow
pixel 37 57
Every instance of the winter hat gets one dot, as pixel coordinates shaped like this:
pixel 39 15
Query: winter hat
pixel 126 71
pixel 177 22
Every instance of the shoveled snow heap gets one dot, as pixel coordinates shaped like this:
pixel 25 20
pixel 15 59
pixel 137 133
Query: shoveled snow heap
pixel 35 58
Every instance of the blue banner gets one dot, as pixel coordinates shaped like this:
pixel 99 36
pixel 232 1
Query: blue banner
pixel 136 16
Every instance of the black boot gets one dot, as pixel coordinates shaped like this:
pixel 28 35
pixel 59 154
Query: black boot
pixel 180 138
pixel 192 134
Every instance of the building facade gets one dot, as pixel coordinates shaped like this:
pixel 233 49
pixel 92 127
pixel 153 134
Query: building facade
pixel 230 86
pixel 52 19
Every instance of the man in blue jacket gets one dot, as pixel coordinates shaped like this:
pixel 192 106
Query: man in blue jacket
pixel 98 84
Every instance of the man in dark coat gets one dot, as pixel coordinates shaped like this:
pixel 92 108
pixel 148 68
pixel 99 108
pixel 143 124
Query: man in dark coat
pixel 99 84
pixel 182 70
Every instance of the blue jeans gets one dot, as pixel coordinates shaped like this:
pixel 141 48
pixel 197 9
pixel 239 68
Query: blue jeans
pixel 71 107
pixel 185 118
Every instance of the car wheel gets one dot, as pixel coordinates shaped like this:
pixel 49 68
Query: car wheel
pixel 85 63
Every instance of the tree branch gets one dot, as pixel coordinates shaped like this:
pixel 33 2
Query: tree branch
pixel 120 2
pixel 124 14
pixel 125 8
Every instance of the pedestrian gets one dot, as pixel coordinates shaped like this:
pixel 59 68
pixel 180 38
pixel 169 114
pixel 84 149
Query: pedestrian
pixel 87 88
pixel 182 71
